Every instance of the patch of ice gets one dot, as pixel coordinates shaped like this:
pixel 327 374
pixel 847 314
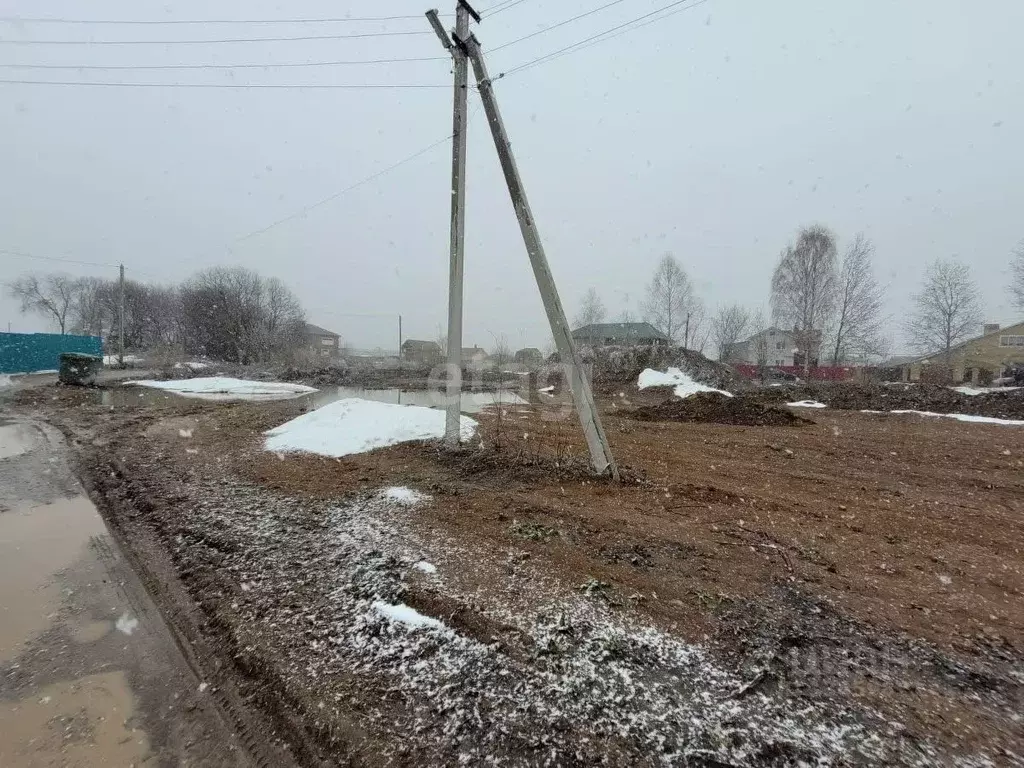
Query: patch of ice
pixel 225 388
pixel 354 425
pixel 424 567
pixel 403 614
pixel 403 495
pixel 960 417
pixel 807 404
pixel 673 377
pixel 126 623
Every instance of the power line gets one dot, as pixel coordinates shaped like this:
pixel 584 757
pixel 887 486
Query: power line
pixel 303 211
pixel 23 255
pixel 236 86
pixel 225 66
pixel 556 26
pixel 212 42
pixel 504 7
pixel 608 34
pixel 48 20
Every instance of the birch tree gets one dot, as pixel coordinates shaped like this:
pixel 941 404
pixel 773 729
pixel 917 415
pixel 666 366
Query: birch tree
pixel 670 297
pixel 803 287
pixel 946 308
pixel 1017 277
pixel 857 322
pixel 592 310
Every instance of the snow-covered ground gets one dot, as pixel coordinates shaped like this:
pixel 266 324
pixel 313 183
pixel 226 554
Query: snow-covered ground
pixel 674 377
pixel 353 425
pixel 807 404
pixel 128 359
pixel 224 388
pixel 968 390
pixel 962 417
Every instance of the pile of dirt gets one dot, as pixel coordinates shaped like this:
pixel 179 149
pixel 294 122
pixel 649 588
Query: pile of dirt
pixel 614 366
pixel 713 408
pixel 848 396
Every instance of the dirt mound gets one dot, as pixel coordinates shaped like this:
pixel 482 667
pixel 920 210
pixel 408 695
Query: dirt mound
pixel 915 397
pixel 614 366
pixel 712 408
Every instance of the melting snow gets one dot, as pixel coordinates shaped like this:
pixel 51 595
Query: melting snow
pixel 114 360
pixel 403 495
pixel 972 391
pixel 962 417
pixel 403 614
pixel 673 377
pixel 424 567
pixel 126 624
pixel 353 425
pixel 224 388
pixel 807 404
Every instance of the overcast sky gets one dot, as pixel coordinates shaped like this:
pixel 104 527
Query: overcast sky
pixel 712 135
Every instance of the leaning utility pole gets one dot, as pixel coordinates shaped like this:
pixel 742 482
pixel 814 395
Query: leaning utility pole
pixel 458 217
pixel 583 397
pixel 120 321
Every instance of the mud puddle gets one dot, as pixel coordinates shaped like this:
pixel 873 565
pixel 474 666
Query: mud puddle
pixel 16 439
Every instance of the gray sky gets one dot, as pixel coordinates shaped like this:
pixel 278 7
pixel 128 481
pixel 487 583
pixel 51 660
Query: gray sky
pixel 711 135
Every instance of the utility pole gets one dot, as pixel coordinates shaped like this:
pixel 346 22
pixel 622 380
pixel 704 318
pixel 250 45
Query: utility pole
pixel 120 321
pixel 583 397
pixel 458 216
pixel 399 339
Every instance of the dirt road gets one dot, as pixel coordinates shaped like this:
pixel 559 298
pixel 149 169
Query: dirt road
pixel 91 676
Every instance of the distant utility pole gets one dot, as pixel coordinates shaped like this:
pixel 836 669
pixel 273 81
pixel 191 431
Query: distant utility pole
pixel 120 321
pixel 458 216
pixel 399 338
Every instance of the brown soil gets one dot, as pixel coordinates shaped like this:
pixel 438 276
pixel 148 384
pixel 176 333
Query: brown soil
pixel 915 397
pixel 713 408
pixel 868 562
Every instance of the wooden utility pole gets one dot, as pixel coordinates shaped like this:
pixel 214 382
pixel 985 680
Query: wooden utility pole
pixel 583 397
pixel 458 216
pixel 120 321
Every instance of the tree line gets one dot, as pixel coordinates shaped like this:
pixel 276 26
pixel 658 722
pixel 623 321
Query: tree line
pixel 232 314
pixel 833 304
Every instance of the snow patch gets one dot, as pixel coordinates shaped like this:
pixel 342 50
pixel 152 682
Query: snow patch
pixel 405 496
pixel 5 381
pixel 115 360
pixel 225 388
pixel 403 614
pixel 674 377
pixel 960 417
pixel 972 391
pixel 192 366
pixel 126 623
pixel 354 425
pixel 807 404
pixel 424 567
pixel 547 389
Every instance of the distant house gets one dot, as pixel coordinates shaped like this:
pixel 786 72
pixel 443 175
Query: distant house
pixel 620 334
pixel 774 347
pixel 418 351
pixel 473 355
pixel 977 360
pixel 323 343
pixel 529 356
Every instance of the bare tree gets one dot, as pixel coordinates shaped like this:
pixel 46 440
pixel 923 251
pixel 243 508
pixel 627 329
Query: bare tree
pixel 502 353
pixel 52 296
pixel 626 316
pixel 759 331
pixel 946 308
pixel 859 298
pixel 727 328
pixel 1017 276
pixel 669 297
pixel 592 310
pixel 442 340
pixel 803 287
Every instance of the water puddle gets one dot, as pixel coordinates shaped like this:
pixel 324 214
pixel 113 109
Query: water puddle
pixel 16 439
pixel 83 722
pixel 35 544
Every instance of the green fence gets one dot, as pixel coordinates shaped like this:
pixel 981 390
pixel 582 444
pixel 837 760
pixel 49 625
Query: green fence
pixel 28 352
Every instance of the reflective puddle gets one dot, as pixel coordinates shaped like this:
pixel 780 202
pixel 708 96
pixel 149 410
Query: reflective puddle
pixel 16 439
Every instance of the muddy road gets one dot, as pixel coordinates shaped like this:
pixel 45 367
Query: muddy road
pixel 91 675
